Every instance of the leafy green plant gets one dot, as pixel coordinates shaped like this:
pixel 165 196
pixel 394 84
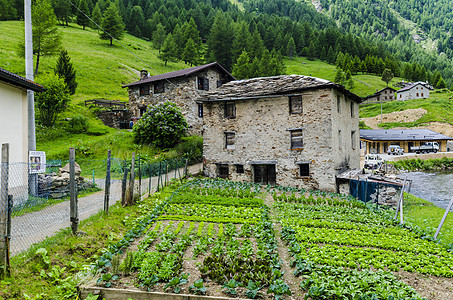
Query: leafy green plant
pixel 279 288
pixel 42 254
pixel 106 279
pixel 230 286
pixel 253 290
pixel 176 282
pixel 197 287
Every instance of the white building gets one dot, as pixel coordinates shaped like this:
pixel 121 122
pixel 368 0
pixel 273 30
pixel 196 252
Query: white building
pixel 413 91
pixel 14 113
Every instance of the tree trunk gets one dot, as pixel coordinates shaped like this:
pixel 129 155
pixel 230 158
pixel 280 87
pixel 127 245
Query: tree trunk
pixel 111 41
pixel 37 62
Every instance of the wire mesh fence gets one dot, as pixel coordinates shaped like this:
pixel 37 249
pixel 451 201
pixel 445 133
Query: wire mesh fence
pixel 39 203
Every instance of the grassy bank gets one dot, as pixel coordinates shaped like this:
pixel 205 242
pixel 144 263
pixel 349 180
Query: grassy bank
pixel 417 164
pixel 428 216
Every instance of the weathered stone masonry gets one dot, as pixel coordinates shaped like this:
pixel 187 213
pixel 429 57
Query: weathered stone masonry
pixel 262 133
pixel 180 87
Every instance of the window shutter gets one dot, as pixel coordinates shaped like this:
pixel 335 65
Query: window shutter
pixel 205 84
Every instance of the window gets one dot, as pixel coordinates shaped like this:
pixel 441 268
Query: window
pixel 295 104
pixel 159 87
pixel 352 108
pixel 422 94
pixel 297 141
pixel 401 95
pixel 229 140
pixel 230 110
pixel 304 170
pixel 353 139
pixel 417 94
pixel 144 90
pixel 339 139
pixel 222 171
pixel 200 110
pixel 203 83
pixel 338 104
pixel 240 169
pixel 219 83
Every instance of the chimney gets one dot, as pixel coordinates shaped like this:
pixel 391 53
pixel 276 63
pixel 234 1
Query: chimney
pixel 143 74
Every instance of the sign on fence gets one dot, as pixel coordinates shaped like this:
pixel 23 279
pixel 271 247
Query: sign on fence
pixel 37 162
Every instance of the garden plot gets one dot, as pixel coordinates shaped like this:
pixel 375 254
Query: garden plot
pixel 217 238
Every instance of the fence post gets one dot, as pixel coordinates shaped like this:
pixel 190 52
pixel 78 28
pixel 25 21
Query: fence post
pixel 400 201
pixel 443 218
pixel 8 234
pixel 139 177
pixel 123 186
pixel 4 208
pixel 166 172
pixel 73 209
pixel 185 168
pixel 132 181
pixel 150 178
pixel 107 183
pixel 179 171
pixel 158 178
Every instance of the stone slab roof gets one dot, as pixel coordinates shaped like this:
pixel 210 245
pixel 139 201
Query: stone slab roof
pixel 271 86
pixel 19 81
pixel 379 92
pixel 181 73
pixel 402 135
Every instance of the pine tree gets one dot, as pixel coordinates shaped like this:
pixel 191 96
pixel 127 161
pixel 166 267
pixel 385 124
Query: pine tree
pixel 291 48
pixel 242 66
pixel 219 41
pixel 82 14
pixel 242 40
pixel 112 25
pixel 159 36
pixel 96 16
pixel 63 12
pixel 339 77
pixel 190 54
pixel 168 51
pixel 65 70
pixel 441 84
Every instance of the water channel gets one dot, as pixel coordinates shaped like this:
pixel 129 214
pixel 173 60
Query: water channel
pixel 436 187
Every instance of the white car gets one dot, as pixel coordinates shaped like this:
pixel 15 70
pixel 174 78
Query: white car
pixel 395 150
pixel 373 161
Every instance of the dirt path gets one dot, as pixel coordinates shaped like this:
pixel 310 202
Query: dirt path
pixel 34 227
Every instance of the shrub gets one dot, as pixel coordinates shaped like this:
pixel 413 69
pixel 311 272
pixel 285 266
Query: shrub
pixel 78 124
pixel 162 125
pixel 191 148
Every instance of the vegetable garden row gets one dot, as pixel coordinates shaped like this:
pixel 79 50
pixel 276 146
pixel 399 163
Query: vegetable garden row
pixel 222 238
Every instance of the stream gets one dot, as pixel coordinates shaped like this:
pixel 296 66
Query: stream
pixel 436 187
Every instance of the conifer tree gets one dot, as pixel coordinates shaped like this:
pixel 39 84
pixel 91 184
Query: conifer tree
pixel 81 14
pixel 65 70
pixel 190 54
pixel 159 36
pixel 242 66
pixel 112 25
pixel 96 16
pixel 291 48
pixel 168 51
pixel 219 41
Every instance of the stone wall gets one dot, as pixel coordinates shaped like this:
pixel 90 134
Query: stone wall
pixel 183 91
pixel 115 119
pixel 262 134
pixel 57 185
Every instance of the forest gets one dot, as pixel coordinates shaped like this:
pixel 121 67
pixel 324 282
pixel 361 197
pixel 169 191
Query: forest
pixel 357 36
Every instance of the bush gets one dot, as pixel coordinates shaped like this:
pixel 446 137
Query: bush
pixel 78 124
pixel 191 148
pixel 162 125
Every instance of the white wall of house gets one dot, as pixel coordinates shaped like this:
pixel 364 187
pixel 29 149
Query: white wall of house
pixel 416 92
pixel 14 121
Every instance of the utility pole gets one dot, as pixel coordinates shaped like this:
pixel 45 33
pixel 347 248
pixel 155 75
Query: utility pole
pixel 33 178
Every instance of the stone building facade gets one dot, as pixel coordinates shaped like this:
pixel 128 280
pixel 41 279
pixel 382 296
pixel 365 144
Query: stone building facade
pixel 181 87
pixel 416 90
pixel 288 130
pixel 384 95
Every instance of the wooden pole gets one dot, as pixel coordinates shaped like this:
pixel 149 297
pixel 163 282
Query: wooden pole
pixel 132 181
pixel 366 190
pixel 4 207
pixel 73 209
pixel 166 172
pixel 123 186
pixel 8 234
pixel 107 183
pixel 358 183
pixel 444 218
pixel 400 199
pixel 139 177
pixel 150 179
pixel 179 172
pixel 158 178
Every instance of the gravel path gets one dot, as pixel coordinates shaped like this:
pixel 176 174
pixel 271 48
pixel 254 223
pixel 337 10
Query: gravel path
pixel 34 227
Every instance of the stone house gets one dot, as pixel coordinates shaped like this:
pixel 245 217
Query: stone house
pixel 413 91
pixel 290 130
pixel 181 87
pixel 384 95
pixel 14 113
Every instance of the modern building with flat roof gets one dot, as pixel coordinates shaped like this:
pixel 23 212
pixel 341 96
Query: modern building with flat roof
pixel 378 140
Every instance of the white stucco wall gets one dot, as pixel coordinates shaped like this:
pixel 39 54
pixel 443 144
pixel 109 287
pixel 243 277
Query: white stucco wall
pixel 13 121
pixel 416 92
